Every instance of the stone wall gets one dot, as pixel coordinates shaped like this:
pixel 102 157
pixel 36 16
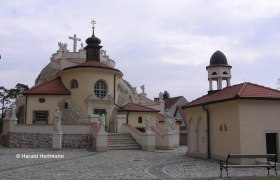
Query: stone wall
pixel 77 140
pixel 37 140
pixel 29 140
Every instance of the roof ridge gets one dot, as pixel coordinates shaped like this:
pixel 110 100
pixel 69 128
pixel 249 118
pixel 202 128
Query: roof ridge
pixel 201 97
pixel 174 97
pixel 195 100
pixel 242 89
pixel 276 90
pixel 57 78
pixel 141 106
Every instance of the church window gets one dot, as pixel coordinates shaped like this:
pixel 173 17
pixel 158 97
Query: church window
pixel 140 120
pixel 40 117
pixel 74 83
pixel 66 105
pixel 225 73
pixel 214 73
pixel 100 89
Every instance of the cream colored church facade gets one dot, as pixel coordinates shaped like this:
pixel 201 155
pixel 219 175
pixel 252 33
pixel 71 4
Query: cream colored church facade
pixel 238 119
pixel 81 100
pixel 80 86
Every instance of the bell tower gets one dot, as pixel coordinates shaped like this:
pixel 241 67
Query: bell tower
pixel 218 71
pixel 93 47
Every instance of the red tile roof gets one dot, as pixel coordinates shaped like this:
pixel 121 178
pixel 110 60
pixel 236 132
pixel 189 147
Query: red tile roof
pixel 170 101
pixel 92 64
pixel 137 108
pixel 54 87
pixel 244 90
pixel 160 117
pixel 181 111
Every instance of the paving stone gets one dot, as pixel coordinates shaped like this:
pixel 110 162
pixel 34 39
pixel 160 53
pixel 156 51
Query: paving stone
pixel 122 164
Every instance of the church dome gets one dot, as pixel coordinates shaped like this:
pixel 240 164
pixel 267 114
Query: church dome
pixel 218 58
pixel 93 40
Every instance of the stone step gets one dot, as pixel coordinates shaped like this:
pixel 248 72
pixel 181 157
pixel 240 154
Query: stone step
pixel 117 134
pixel 119 147
pixel 122 138
pixel 123 145
pixel 121 142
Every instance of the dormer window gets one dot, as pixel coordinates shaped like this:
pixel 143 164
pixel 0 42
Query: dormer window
pixel 74 84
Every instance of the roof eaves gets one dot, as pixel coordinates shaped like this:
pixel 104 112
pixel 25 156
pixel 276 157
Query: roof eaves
pixel 97 67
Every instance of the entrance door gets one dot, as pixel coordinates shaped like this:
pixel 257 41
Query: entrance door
pixel 100 111
pixel 271 143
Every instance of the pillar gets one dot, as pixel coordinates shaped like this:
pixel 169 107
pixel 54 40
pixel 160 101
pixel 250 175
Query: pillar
pixel 149 141
pixel 101 141
pixel 210 85
pixel 228 82
pixel 57 140
pixel 220 85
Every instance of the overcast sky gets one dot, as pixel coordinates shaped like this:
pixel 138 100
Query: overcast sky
pixel 163 44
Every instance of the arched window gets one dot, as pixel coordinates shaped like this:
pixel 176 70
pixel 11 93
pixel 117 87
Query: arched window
pixel 66 105
pixel 225 73
pixel 74 83
pixel 140 120
pixel 100 89
pixel 214 73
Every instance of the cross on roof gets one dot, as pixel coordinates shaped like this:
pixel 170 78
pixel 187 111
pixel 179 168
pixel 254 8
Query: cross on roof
pixel 93 22
pixel 75 39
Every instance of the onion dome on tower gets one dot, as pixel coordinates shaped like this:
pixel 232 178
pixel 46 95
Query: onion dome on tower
pixel 218 71
pixel 218 58
pixel 93 47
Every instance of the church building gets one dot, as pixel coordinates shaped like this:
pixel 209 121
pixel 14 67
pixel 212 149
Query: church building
pixel 81 84
pixel 242 118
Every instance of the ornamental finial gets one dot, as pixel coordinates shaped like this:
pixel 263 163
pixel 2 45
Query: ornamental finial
pixel 93 22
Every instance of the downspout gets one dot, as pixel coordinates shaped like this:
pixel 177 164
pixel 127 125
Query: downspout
pixel 127 117
pixel 114 88
pixel 126 114
pixel 205 108
pixel 25 109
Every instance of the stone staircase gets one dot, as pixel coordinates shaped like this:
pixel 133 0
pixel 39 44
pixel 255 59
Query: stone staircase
pixel 121 142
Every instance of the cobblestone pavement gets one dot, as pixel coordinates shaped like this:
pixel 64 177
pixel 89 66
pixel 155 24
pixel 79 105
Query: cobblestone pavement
pixel 125 164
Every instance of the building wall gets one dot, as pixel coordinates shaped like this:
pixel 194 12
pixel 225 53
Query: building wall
pixel 133 118
pixel 224 129
pixel 258 117
pixel 33 104
pixel 196 142
pixel 41 136
pixel 87 77
pixel 84 95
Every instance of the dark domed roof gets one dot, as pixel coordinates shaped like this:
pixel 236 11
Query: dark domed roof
pixel 93 39
pixel 218 58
